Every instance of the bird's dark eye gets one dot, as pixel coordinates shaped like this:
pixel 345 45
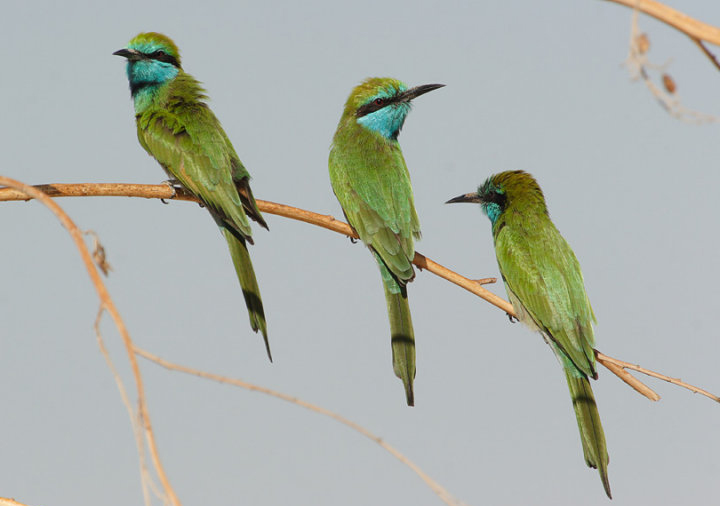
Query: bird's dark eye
pixel 373 105
pixel 163 56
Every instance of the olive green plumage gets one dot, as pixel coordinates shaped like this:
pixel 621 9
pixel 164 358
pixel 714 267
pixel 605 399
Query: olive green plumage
pixel 545 285
pixel 372 184
pixel 179 130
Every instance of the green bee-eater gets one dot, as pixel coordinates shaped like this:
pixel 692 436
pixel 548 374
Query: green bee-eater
pixel 372 183
pixel 179 130
pixel 545 285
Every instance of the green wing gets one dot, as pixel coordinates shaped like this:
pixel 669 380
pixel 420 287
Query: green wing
pixel 241 178
pixel 187 140
pixel 372 184
pixel 183 134
pixel 374 190
pixel 547 287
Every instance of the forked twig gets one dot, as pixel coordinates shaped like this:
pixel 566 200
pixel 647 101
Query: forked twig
pixel 675 381
pixel 628 378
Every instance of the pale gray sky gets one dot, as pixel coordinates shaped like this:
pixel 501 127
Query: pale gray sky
pixel 530 85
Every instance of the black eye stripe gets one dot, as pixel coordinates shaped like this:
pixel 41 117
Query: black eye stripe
pixel 491 195
pixel 496 198
pixel 163 57
pixel 373 106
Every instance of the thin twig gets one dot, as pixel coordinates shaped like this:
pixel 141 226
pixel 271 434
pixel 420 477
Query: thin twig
pixel 674 381
pixel 707 52
pixel 628 378
pixel 145 478
pixel 326 221
pixel 160 191
pixel 485 281
pixel 107 303
pixel 446 497
pixel 98 253
pixel 163 191
pixel 638 64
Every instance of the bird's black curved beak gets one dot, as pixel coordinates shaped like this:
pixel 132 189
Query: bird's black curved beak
pixel 130 54
pixel 412 93
pixel 468 197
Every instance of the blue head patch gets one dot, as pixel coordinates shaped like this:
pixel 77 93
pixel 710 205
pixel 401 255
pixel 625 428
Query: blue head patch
pixel 387 120
pixel 159 66
pixel 493 200
pixel 153 59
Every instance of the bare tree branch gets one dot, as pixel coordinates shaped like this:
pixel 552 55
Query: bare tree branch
pixel 675 381
pixel 682 22
pixel 163 191
pixel 4 501
pixel 141 420
pixel 135 422
pixel 628 378
pixel 637 60
pixel 615 366
pixel 640 67
pixel 107 304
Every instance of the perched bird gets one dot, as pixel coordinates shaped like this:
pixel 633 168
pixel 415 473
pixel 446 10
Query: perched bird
pixel 545 285
pixel 372 183
pixel 179 130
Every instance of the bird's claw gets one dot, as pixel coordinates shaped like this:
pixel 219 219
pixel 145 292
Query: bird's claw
pixel 173 184
pixel 512 318
pixel 353 240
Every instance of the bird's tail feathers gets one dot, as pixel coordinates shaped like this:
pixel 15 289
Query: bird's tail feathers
pixel 248 282
pixel 588 419
pixel 402 338
pixel 249 204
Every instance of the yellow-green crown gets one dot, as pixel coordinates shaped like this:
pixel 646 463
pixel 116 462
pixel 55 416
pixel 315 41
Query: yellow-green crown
pixel 149 42
pixel 371 88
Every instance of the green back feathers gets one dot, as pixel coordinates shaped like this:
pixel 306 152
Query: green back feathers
pixel 184 135
pixel 177 128
pixel 372 183
pixel 545 285
pixel 541 271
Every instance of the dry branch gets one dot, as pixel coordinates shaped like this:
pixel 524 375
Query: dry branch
pixel 107 304
pixel 326 221
pixel 615 366
pixel 640 67
pixel 682 22
pixel 19 191
pixel 607 361
pixel 4 501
